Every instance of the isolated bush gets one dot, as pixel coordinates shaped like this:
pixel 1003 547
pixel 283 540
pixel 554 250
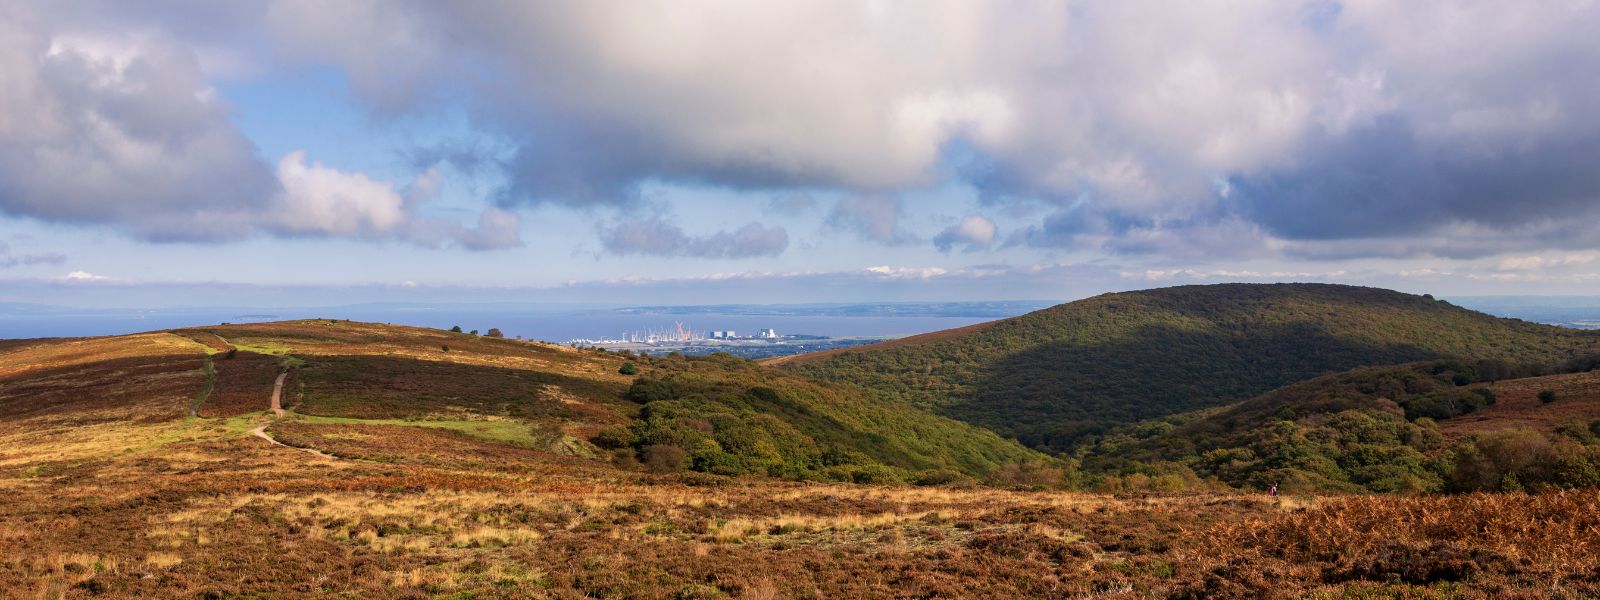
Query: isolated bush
pixel 473 332
pixel 662 458
pixel 444 348
pixel 614 437
pixel 456 329
pixel 494 333
pixel 1547 396
pixel 645 391
pixel 628 369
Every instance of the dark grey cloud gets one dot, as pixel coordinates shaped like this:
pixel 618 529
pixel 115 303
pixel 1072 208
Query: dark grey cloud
pixel 655 235
pixel 1382 181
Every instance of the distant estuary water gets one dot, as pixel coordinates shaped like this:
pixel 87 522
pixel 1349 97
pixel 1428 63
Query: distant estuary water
pixel 548 324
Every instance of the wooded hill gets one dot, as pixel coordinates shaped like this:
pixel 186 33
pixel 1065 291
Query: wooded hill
pixel 1057 378
pixel 1419 427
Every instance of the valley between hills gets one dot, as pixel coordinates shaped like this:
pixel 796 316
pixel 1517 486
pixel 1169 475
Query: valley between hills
pixel 1118 447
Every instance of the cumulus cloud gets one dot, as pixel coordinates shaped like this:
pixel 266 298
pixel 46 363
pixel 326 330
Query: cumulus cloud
pixel 975 232
pixel 116 129
pixel 318 199
pixel 122 128
pixel 1327 120
pixel 657 236
pixel 873 218
pixel 1308 128
pixel 322 201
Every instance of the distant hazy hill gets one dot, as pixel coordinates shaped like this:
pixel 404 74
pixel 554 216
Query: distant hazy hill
pixel 1051 377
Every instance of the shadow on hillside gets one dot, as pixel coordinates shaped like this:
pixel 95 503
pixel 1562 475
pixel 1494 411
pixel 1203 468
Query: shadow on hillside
pixel 1053 395
pixel 143 388
pixel 391 387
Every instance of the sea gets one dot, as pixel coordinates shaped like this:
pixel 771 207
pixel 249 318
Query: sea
pixel 551 324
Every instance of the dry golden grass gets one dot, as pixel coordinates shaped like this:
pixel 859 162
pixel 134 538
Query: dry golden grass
pixel 1517 405
pixel 107 497
pixel 80 352
pixel 314 337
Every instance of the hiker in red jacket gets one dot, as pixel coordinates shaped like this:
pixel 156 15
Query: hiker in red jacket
pixel 1273 491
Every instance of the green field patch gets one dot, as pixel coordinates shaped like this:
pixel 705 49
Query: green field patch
pixel 205 390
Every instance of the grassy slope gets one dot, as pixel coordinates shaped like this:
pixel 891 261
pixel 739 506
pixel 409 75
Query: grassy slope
pixel 1052 377
pixel 361 375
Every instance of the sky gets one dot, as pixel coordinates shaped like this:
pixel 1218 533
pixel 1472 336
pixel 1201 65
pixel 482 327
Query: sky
pixel 299 152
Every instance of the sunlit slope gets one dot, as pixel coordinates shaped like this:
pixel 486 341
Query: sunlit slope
pixel 1052 377
pixel 350 388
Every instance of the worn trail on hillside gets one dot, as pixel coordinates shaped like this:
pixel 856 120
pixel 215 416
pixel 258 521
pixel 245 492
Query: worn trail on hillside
pixel 277 412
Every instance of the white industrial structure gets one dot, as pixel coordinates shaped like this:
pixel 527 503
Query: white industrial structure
pixel 677 335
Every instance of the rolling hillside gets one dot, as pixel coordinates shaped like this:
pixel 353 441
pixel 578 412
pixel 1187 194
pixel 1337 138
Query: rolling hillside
pixel 1418 427
pixel 414 463
pixel 1056 377
pixel 343 381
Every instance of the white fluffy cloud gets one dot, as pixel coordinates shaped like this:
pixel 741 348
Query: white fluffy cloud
pixel 1129 113
pixel 1306 128
pixel 116 128
pixel 318 199
pixel 121 128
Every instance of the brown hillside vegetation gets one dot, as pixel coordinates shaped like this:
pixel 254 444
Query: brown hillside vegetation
pixel 465 473
pixel 209 512
pixel 1576 403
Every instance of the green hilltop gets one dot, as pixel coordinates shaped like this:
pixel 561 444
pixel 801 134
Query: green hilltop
pixel 1060 377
